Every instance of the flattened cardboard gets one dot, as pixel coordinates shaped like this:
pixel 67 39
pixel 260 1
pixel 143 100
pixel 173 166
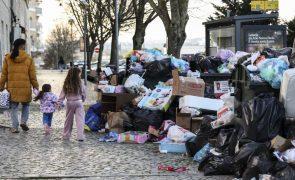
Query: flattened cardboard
pixel 187 85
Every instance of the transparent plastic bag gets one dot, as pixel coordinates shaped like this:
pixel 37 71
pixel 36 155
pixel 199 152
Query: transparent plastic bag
pixel 271 70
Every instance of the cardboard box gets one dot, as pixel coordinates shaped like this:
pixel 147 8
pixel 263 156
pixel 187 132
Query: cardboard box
pixel 159 99
pixel 187 85
pixel 172 147
pixel 185 121
pixel 196 124
pixel 114 101
pixel 201 103
pixel 281 144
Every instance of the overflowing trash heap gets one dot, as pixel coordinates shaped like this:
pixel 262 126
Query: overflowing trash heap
pixel 233 113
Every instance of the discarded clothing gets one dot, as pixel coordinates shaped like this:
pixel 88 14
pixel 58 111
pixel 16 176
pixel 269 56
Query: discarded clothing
pixel 111 137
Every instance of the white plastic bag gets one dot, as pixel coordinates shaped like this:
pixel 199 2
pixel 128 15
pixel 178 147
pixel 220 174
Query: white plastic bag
pixel 179 134
pixel 226 119
pixel 286 156
pixel 133 83
pixel 228 100
pixel 4 99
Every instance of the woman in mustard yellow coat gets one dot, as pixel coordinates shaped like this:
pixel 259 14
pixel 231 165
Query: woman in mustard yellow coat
pixel 19 76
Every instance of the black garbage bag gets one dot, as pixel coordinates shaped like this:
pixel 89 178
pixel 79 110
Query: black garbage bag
pixel 217 165
pixel 262 118
pixel 143 118
pixel 242 59
pixel 206 132
pixel 259 163
pixel 274 53
pixel 289 129
pixel 194 144
pixel 209 91
pixel 129 109
pixel 195 62
pixel 206 129
pixel 157 71
pixel 157 68
pixel 215 61
pixel 171 113
pixel 206 66
pixel 245 153
pixel 258 166
pixel 227 140
pixel 283 171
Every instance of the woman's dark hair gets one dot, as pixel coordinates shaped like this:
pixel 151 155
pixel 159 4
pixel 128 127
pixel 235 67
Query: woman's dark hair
pixel 45 88
pixel 17 43
pixel 73 81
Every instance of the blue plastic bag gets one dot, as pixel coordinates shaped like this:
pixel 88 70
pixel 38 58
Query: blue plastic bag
pixel 271 70
pixel 93 117
pixel 202 153
pixel 180 64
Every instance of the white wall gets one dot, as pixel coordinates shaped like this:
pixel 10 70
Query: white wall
pixel 5 27
pixel 21 11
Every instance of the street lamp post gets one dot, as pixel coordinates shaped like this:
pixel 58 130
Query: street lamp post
pixel 71 22
pixel 117 34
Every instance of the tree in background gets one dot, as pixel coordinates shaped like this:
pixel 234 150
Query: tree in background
pixel 237 8
pixel 126 19
pixel 98 27
pixel 144 15
pixel 58 44
pixel 291 32
pixel 101 23
pixel 174 16
pixel 234 7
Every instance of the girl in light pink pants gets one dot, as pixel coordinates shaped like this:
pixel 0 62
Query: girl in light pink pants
pixel 74 91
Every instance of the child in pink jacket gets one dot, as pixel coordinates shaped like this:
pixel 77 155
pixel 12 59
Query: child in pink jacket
pixel 74 91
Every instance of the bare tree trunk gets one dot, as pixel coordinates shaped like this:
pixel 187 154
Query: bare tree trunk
pixel 114 49
pixel 138 38
pixel 90 54
pixel 99 59
pixel 176 38
pixel 174 26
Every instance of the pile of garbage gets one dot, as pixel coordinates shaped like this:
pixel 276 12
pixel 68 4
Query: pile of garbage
pixel 166 101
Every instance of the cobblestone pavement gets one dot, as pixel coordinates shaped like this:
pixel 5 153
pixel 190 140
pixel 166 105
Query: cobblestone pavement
pixel 31 155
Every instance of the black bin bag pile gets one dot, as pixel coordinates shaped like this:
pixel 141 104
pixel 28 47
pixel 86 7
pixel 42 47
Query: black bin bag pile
pixel 244 149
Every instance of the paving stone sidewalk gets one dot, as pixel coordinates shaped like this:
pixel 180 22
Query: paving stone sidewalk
pixel 31 155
